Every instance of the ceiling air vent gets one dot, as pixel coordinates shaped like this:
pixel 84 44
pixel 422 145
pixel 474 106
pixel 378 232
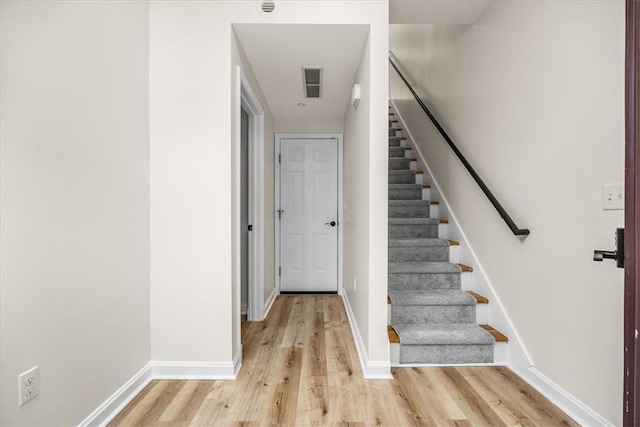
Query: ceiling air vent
pixel 267 8
pixel 312 82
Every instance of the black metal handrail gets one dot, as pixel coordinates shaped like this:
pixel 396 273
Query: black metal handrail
pixel 496 204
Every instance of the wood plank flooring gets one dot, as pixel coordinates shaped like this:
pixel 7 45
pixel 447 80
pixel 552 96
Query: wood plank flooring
pixel 301 368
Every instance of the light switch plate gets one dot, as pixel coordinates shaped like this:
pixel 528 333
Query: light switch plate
pixel 613 197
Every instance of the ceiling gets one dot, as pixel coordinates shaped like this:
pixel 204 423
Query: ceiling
pixel 442 12
pixel 277 52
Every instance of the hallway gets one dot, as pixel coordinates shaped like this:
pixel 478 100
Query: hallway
pixel 300 367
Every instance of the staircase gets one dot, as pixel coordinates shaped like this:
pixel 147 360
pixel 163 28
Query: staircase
pixel 433 314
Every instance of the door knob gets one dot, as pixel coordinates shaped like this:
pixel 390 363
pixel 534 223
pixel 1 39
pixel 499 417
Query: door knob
pixel 618 254
pixel 332 223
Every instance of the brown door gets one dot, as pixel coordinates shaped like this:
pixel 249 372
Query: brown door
pixel 631 404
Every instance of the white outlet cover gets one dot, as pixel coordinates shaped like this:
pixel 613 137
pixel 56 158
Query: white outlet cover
pixel 613 197
pixel 28 385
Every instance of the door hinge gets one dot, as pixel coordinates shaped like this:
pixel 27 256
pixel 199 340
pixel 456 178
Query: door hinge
pixel 250 227
pixel 279 158
pixel 279 271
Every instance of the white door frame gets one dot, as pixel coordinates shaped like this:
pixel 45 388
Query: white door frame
pixel 255 293
pixel 278 136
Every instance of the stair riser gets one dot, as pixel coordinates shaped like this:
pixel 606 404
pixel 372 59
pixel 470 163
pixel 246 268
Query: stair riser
pixel 397 152
pixel 425 281
pixel 442 354
pixel 443 231
pixel 407 177
pixel 409 231
pixel 395 141
pixel 433 209
pixel 406 194
pixel 433 314
pixel 419 254
pixel 482 314
pixel 409 211
pixel 392 132
pixel 399 163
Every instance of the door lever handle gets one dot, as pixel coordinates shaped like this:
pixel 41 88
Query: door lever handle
pixel 599 255
pixel 617 255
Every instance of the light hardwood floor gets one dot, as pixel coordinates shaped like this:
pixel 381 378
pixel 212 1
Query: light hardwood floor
pixel 300 367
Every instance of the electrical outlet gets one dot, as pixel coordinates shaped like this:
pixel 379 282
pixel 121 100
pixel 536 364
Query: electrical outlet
pixel 613 197
pixel 28 385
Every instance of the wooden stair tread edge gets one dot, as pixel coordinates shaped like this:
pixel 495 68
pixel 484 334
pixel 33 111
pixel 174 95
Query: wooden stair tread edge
pixel 394 338
pixel 426 186
pixel 433 202
pixel 443 221
pixel 454 243
pixel 499 336
pixel 466 268
pixel 419 172
pixel 479 298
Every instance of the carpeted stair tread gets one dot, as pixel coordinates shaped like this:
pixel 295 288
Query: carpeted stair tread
pixel 404 186
pixel 402 176
pixel 402 172
pixel 409 202
pixel 432 319
pixel 413 221
pixel 427 242
pixel 442 334
pixel 448 297
pixel 423 268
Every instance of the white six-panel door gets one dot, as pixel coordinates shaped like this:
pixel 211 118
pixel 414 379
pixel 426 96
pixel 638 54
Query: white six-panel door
pixel 309 217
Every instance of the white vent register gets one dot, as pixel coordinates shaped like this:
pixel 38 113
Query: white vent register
pixel 312 82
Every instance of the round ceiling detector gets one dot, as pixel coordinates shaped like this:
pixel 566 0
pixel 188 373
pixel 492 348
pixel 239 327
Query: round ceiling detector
pixel 267 8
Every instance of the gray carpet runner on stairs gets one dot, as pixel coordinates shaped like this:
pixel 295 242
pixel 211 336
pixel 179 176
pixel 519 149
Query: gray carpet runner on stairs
pixel 434 318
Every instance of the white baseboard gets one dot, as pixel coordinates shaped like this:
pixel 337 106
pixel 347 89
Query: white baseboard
pixel 237 362
pixel 156 370
pixel 372 370
pixel 195 370
pixel 118 400
pixel 560 397
pixel 269 302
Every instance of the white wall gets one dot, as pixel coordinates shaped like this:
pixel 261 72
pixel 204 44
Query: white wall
pixel 309 125
pixel 190 86
pixel 356 202
pixel 193 294
pixel 75 204
pixel 533 94
pixel 365 216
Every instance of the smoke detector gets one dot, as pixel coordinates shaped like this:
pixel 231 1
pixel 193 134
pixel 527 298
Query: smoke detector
pixel 267 8
pixel 312 82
